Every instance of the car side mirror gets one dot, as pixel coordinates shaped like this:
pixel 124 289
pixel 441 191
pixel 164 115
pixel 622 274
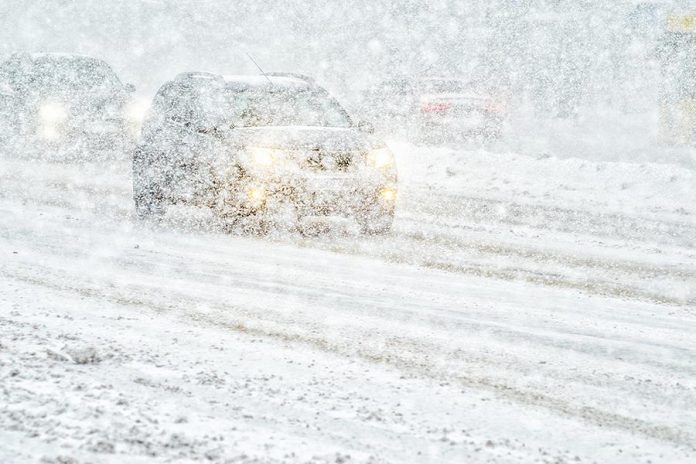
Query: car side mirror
pixel 366 127
pixel 213 126
pixel 211 130
pixel 130 88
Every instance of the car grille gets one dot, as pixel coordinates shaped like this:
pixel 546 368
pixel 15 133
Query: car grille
pixel 333 162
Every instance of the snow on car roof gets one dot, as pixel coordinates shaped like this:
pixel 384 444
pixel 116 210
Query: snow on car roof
pixel 439 79
pixel 58 56
pixel 263 81
pixel 197 75
pixel 54 57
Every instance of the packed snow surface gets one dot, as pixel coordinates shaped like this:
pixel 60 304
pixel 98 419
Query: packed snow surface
pixel 524 309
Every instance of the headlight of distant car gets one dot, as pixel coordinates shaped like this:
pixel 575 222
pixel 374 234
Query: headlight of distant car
pixel 51 117
pixel 134 114
pixel 136 109
pixel 264 157
pixel 380 158
pixel 53 113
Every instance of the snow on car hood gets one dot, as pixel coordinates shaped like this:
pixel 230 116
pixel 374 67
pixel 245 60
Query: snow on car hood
pixel 304 137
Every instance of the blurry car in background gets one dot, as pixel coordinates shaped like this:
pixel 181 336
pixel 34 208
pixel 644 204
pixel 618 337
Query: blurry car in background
pixel 261 150
pixel 64 101
pixel 436 109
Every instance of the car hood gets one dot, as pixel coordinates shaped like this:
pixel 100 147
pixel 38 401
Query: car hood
pixel 302 137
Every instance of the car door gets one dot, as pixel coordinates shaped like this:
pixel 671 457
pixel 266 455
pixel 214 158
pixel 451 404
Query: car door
pixel 190 124
pixel 6 101
pixel 158 157
pixel 9 99
pixel 180 138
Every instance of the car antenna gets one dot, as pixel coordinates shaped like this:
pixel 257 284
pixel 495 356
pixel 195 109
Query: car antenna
pixel 257 65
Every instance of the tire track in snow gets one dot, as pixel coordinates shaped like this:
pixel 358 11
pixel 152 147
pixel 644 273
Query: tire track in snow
pixel 398 248
pixel 602 224
pixel 400 252
pixel 517 273
pixel 410 355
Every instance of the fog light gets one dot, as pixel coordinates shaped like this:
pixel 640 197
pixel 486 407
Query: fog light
pixel 136 110
pixel 135 113
pixel 388 195
pixel 53 112
pixel 256 195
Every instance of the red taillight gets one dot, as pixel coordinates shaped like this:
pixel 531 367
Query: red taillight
pixel 435 107
pixel 494 107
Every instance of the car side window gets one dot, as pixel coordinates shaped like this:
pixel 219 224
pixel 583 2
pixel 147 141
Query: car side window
pixel 156 115
pixel 211 106
pixel 173 102
pixel 10 74
pixel 166 107
pixel 160 102
pixel 5 72
pixel 187 105
pixel 181 107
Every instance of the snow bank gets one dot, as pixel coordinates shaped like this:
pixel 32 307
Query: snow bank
pixel 653 190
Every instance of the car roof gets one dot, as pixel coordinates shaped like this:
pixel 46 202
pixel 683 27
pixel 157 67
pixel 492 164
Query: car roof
pixel 425 79
pixel 198 75
pixel 59 57
pixel 443 79
pixel 245 82
pixel 248 81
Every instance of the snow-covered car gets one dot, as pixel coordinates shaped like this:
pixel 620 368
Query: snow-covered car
pixel 64 100
pixel 259 150
pixel 436 109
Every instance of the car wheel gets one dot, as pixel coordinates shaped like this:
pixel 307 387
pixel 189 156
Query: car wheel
pixel 146 192
pixel 493 131
pixel 376 221
pixel 253 224
pixel 148 207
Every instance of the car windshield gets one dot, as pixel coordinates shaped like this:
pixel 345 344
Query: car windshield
pixel 286 108
pixel 71 74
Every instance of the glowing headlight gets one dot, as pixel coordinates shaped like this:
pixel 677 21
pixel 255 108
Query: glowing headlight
pixel 53 113
pixel 135 111
pixel 264 157
pixel 388 195
pixel 256 195
pixel 380 158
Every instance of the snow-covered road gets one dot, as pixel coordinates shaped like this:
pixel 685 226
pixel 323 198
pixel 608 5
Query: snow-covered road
pixel 498 323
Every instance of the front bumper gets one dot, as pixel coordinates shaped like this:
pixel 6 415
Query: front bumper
pixel 93 132
pixel 310 195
